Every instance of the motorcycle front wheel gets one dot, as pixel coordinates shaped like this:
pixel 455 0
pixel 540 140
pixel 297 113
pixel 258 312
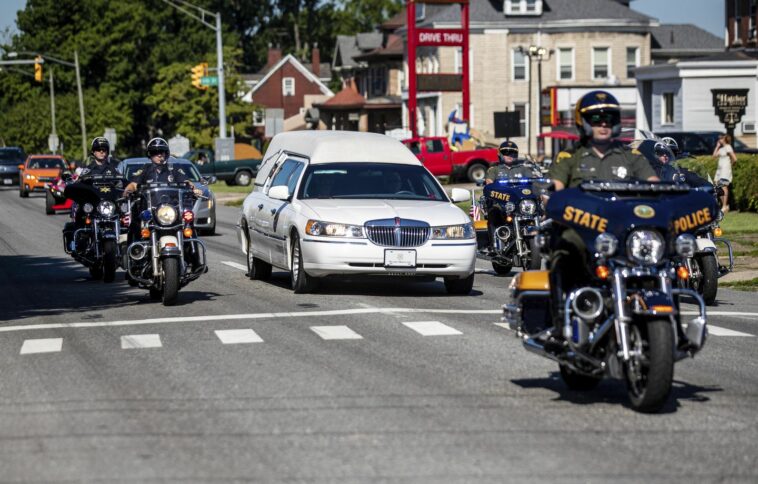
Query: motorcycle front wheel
pixel 49 202
pixel 501 269
pixel 650 370
pixel 709 277
pixel 170 280
pixel 109 261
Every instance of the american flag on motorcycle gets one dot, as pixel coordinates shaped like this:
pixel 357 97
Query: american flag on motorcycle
pixel 475 212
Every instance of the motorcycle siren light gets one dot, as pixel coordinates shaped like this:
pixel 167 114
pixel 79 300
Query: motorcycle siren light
pixel 718 232
pixel 87 221
pixel 602 272
pixel 88 208
pixel 509 219
pixel 188 216
pixel 682 273
pixel 145 233
pixel 187 233
pixel 146 215
pixel 685 245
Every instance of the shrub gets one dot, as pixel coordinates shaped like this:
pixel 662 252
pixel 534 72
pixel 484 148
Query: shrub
pixel 743 191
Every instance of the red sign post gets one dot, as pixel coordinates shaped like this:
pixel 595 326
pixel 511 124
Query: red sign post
pixel 437 38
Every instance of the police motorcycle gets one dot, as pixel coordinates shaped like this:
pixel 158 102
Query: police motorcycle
pixel 626 322
pixel 100 210
pixel 704 267
pixel 166 254
pixel 513 209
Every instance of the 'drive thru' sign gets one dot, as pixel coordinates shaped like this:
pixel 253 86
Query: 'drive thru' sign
pixel 440 37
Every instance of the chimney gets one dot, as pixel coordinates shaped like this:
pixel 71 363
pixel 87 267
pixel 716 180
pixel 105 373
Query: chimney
pixel 316 60
pixel 274 55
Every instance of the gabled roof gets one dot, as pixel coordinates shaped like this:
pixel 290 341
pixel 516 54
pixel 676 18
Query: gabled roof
pixel 684 37
pixel 347 98
pixel 395 48
pixel 299 66
pixel 342 146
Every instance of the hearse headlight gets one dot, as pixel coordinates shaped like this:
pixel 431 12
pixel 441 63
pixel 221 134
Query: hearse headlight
pixel 106 208
pixel 451 232
pixel 685 245
pixel 329 229
pixel 166 215
pixel 527 207
pixel 645 247
pixel 606 244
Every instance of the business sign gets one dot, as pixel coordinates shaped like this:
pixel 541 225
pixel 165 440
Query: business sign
pixel 729 105
pixel 440 37
pixel 439 82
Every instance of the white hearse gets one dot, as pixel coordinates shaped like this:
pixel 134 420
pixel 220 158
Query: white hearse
pixel 331 203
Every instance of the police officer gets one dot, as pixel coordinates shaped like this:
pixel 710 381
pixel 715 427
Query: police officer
pixel 664 164
pixel 598 118
pixel 508 166
pixel 158 170
pixel 100 162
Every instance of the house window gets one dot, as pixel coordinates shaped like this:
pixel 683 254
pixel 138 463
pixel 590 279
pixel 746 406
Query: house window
pixel 259 117
pixel 601 62
pixel 521 110
pixel 565 64
pixel 530 6
pixel 288 86
pixel 378 80
pixel 632 61
pixel 667 108
pixel 522 7
pixel 519 65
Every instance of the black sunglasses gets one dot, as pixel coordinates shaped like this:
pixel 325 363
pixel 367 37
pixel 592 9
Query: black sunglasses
pixel 600 119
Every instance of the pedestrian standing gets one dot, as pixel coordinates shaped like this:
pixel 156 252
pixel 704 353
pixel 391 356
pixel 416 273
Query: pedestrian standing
pixel 725 154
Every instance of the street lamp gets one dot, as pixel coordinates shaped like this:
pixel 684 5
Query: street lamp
pixel 75 65
pixel 539 53
pixel 200 17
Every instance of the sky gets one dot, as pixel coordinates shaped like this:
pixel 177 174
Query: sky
pixel 707 14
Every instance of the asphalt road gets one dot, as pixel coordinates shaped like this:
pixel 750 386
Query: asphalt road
pixel 99 383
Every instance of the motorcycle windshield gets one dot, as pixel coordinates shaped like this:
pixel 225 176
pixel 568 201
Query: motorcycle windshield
pixel 619 208
pixel 514 189
pixel 93 189
pixel 165 194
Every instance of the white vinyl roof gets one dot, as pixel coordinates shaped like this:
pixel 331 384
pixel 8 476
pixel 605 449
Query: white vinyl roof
pixel 342 146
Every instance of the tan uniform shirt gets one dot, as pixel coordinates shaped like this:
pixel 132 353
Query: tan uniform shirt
pixel 619 163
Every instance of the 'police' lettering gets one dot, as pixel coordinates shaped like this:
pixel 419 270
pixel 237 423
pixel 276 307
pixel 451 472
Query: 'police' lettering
pixel 585 219
pixel 692 220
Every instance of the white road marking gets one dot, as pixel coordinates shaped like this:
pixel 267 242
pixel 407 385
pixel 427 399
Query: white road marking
pixel 503 325
pixel 141 341
pixel 46 345
pixel 432 328
pixel 235 265
pixel 335 332
pixel 719 331
pixel 238 336
pixel 721 313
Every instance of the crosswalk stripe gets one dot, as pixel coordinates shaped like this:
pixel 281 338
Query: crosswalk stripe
pixel 238 336
pixel 43 345
pixel 335 332
pixel 235 265
pixel 719 331
pixel 432 328
pixel 134 341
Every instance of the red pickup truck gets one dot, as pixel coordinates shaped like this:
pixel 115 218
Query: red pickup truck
pixel 438 158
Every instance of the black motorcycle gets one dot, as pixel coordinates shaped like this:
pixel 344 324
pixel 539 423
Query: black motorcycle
pixel 625 322
pixel 93 237
pixel 165 253
pixel 513 209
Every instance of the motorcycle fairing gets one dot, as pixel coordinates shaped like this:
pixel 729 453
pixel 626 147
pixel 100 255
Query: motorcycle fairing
pixel 503 191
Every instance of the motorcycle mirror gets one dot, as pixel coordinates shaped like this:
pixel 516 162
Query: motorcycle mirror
pixel 210 180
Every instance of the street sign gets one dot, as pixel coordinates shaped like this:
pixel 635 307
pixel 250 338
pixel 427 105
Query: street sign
pixel 274 122
pixel 729 105
pixel 439 82
pixel 224 149
pixel 507 124
pixel 53 142
pixel 209 80
pixel 178 145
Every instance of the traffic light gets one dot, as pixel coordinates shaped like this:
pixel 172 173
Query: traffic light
pixel 38 68
pixel 198 72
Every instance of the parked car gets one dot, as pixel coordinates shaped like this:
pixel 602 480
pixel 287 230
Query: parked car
pixel 10 158
pixel 703 142
pixel 205 210
pixel 239 171
pixel 438 158
pixel 335 203
pixel 39 170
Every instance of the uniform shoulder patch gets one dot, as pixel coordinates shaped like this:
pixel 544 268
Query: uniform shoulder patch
pixel 635 151
pixel 562 156
pixel 138 172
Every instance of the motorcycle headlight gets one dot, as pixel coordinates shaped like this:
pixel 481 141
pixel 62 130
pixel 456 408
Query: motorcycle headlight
pixel 88 208
pixel 527 207
pixel 329 229
pixel 106 208
pixel 509 207
pixel 166 215
pixel 463 231
pixel 685 245
pixel 645 247
pixel 606 244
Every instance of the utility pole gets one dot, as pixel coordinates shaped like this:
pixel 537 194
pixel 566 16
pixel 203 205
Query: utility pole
pixel 200 16
pixel 53 132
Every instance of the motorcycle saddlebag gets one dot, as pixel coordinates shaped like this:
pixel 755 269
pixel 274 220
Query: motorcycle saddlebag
pixel 532 288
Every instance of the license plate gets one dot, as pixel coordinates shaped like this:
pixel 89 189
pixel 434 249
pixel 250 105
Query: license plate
pixel 7 181
pixel 399 258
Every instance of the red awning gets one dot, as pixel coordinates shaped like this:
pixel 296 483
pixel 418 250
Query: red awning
pixel 559 135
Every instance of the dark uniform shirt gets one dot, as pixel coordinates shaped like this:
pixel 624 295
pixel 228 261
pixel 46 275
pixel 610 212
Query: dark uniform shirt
pixel 619 163
pixel 516 170
pixel 106 168
pixel 153 173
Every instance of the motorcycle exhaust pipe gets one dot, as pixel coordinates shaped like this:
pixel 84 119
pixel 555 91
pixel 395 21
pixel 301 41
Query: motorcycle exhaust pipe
pixel 588 304
pixel 137 252
pixel 503 233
